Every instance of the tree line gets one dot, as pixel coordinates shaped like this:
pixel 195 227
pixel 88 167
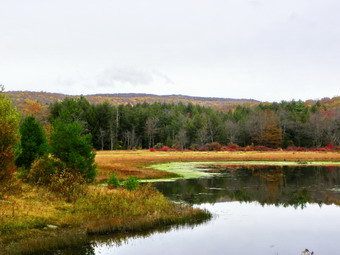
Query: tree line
pixel 191 126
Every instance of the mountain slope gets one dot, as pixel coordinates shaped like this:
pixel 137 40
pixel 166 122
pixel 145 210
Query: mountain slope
pixel 21 98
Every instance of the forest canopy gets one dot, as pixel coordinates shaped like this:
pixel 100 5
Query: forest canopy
pixel 144 125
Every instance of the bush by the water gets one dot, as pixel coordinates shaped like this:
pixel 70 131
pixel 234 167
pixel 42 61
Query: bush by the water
pixel 131 183
pixel 113 182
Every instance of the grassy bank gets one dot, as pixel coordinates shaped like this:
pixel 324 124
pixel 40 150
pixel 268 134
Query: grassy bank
pixel 34 219
pixel 137 163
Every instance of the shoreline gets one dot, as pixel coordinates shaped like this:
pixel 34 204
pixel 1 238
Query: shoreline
pixel 61 239
pixel 37 220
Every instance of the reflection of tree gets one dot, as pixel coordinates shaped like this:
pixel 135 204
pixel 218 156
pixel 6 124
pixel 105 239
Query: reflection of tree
pixel 241 195
pixel 287 185
pixel 77 250
pixel 299 198
pixel 273 179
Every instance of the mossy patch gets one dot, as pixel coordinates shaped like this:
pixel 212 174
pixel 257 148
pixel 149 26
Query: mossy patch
pixel 189 170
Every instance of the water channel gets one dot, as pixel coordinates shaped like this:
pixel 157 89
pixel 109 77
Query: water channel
pixel 263 210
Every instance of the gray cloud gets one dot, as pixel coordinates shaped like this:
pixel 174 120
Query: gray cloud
pixel 130 76
pixel 256 4
pixel 163 76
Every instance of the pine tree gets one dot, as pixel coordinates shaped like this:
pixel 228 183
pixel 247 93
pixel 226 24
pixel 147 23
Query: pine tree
pixel 71 146
pixel 33 142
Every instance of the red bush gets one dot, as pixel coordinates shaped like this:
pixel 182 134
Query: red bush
pixel 323 149
pixel 165 148
pixel 330 146
pixel 262 148
pixel 215 146
pixel 301 149
pixel 203 149
pixel 290 148
pixel 233 146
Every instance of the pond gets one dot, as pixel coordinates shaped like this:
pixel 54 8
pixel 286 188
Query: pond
pixel 256 210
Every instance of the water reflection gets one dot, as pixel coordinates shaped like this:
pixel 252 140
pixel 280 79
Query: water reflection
pixel 112 242
pixel 245 228
pixel 281 214
pixel 277 185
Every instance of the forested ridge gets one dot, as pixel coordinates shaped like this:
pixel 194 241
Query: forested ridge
pixel 26 99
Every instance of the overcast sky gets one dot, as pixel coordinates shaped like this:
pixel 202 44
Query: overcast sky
pixel 268 50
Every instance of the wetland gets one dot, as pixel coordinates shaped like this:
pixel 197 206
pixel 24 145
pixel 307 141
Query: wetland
pixel 257 209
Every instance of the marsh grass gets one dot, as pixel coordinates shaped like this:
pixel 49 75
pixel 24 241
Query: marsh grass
pixel 46 244
pixel 136 163
pixel 149 222
pixel 25 215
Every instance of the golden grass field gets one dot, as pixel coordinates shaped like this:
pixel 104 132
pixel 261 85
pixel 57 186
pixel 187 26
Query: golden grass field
pixel 127 163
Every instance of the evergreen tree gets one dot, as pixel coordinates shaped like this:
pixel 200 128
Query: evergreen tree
pixel 33 142
pixel 70 145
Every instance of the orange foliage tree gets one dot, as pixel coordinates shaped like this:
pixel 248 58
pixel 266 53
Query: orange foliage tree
pixel 9 124
pixel 34 108
pixel 271 135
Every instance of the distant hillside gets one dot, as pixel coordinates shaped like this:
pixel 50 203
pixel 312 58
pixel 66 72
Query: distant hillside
pixel 21 98
pixel 178 97
pixel 28 101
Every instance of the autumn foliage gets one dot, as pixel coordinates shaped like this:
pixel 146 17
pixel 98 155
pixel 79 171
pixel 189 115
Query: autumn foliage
pixel 9 122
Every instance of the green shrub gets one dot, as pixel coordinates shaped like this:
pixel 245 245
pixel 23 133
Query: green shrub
pixel 43 169
pixel 113 182
pixel 131 183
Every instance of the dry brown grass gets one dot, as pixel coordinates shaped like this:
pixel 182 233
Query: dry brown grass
pixel 127 163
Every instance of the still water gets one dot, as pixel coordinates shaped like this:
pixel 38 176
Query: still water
pixel 256 210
